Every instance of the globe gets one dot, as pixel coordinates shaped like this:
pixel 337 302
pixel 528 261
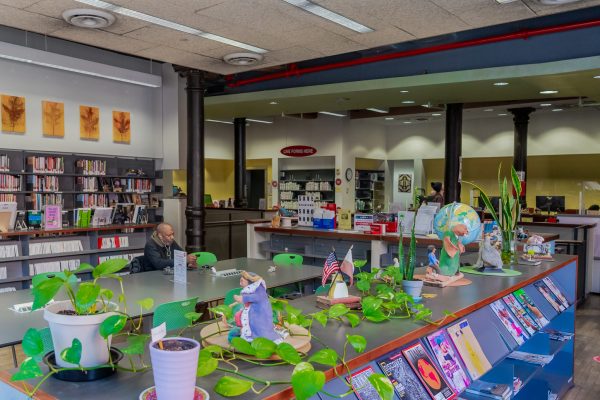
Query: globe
pixel 457 213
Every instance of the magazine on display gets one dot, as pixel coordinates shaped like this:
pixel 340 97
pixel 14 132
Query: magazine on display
pixel 406 384
pixel 531 308
pixel 448 360
pixel 549 296
pixel 518 311
pixel 558 335
pixel 490 390
pixel 509 321
pixel 552 286
pixel 469 349
pixel 360 384
pixel 532 358
pixel 426 371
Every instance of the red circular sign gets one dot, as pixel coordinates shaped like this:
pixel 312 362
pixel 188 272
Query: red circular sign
pixel 298 151
pixel 338 181
pixel 274 184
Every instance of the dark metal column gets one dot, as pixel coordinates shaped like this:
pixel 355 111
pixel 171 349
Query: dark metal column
pixel 239 126
pixel 521 120
pixel 194 211
pixel 453 152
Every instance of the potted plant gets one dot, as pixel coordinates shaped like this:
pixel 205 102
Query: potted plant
pixel 174 365
pixel 411 286
pixel 509 213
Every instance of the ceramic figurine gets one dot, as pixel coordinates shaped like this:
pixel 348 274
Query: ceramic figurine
pixel 433 267
pixel 489 256
pixel 452 249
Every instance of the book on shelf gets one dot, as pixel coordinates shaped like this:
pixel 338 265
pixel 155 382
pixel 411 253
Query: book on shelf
pixel 448 360
pixel 9 183
pixel 549 296
pixel 521 314
pixel 490 390
pixel 123 213
pixel 102 216
pixel 363 389
pixel 532 358
pixel 469 349
pixel 55 247
pixel 530 306
pixel 21 221
pixel 9 251
pixel 4 162
pixel 140 215
pixel 556 290
pixel 46 164
pixel 509 321
pixel 34 219
pixel 427 372
pixel 82 217
pixel 43 183
pixel 8 215
pixel 555 334
pixel 406 384
pixel 127 257
pixel 3 273
pixel 52 217
pixel 91 167
pixel 113 242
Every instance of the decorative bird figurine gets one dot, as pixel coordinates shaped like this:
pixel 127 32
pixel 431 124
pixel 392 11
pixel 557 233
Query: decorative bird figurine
pixel 490 256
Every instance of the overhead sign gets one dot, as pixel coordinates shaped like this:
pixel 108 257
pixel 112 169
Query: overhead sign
pixel 298 151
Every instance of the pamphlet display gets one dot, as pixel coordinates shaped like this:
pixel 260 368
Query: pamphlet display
pixel 8 215
pixel 531 308
pixel 519 312
pixel 554 288
pixel 510 322
pixel 549 296
pixel 427 372
pixel 360 383
pixel 406 384
pixel 448 360
pixel 469 349
pixel 362 222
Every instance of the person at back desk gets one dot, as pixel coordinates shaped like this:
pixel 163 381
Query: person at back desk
pixel 159 250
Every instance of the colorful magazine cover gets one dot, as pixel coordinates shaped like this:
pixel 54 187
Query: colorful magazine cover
pixel 448 360
pixel 426 371
pixel 469 349
pixel 406 384
pixel 531 308
pixel 509 321
pixel 518 311
pixel 552 286
pixel 360 384
pixel 549 296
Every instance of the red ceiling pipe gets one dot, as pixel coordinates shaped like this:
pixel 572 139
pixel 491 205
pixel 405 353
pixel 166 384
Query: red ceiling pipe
pixel 295 71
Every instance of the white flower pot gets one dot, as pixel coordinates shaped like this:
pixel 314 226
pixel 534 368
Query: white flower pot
pixel 65 328
pixel 175 371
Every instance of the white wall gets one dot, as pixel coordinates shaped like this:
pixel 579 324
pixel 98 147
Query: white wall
pixel 37 83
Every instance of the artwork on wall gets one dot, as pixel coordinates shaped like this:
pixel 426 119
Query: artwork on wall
pixel 121 127
pixel 53 119
pixel 404 183
pixel 89 123
pixel 13 114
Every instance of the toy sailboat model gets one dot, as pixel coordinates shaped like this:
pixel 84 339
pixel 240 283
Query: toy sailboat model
pixel 338 289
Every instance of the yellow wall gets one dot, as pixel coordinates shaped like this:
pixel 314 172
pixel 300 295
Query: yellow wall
pixel 559 175
pixel 369 164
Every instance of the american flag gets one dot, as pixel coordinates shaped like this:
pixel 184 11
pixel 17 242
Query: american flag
pixel 330 266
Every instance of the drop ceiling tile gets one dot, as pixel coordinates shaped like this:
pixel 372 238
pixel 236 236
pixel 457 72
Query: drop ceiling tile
pixel 25 20
pixel 102 39
pixel 174 56
pixel 173 38
pixel 18 3
pixel 479 13
pixel 541 9
pixel 381 37
pixel 196 5
pixel 322 41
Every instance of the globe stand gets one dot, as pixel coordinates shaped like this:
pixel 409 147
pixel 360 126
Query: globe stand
pixel 438 280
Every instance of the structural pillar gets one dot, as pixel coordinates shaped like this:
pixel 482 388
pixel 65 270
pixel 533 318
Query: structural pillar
pixel 453 152
pixel 521 121
pixel 194 211
pixel 241 197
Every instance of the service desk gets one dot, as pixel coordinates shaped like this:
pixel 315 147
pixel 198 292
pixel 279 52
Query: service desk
pixel 463 302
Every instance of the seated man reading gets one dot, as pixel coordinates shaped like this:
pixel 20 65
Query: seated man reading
pixel 159 250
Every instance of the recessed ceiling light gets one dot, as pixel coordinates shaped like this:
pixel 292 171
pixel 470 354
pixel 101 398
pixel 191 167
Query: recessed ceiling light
pixel 488 109
pixel 242 59
pixel 88 18
pixel 545 104
pixel 500 83
pixel 549 92
pixel 378 110
pixel 260 121
pixel 404 91
pixel 219 121
pixel 408 102
pixel 407 122
pixel 557 109
pixel 436 114
pixel 502 114
pixel 329 15
pixel 169 24
pixel 389 118
pixel 332 113
pixel 505 1
pixel 273 103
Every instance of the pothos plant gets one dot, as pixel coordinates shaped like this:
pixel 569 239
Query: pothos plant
pixel 86 298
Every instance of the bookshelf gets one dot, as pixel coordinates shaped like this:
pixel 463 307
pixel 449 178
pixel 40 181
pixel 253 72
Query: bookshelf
pixel 369 190
pixel 317 183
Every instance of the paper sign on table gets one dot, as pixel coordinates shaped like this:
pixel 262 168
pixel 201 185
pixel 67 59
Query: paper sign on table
pixel 179 260
pixel 159 332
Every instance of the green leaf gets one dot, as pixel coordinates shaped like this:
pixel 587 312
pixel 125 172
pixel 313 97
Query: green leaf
pixel 222 309
pixel 353 319
pixel 325 356
pixel 33 346
pixel 422 314
pixel 382 385
pixel 136 344
pixel 370 303
pixel 383 289
pixel 288 353
pixel 363 285
pixel 121 298
pixel 28 369
pixel 206 363
pixel 106 293
pixel 86 296
pixel 45 291
pixel 192 316
pixel 292 310
pixel 359 263
pixel 277 305
pixel 375 315
pixel 109 267
pixel 82 268
pixel 358 343
pixel 112 325
pixel 448 313
pixel 72 354
pixel 229 386
pixel 306 382
pixel 263 347
pixel 242 346
pixel 146 303
pixel 321 317
pixel 337 310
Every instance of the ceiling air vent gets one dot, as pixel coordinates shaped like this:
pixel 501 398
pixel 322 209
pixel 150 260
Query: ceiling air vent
pixel 243 59
pixel 88 18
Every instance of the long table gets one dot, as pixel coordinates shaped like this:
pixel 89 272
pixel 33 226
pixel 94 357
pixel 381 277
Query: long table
pixel 381 338
pixel 159 287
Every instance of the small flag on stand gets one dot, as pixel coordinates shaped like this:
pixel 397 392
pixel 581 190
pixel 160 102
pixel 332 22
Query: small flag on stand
pixel 347 266
pixel 331 265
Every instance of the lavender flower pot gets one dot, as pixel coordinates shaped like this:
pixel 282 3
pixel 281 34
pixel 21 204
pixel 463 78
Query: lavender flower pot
pixel 174 368
pixel 413 288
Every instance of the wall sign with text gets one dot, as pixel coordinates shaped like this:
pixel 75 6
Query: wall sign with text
pixel 298 151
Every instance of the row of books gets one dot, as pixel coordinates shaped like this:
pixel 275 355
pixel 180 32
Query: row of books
pixel 46 164
pixel 114 242
pixel 9 251
pixel 450 361
pixel 8 197
pixel 54 266
pixel 48 247
pixel 39 200
pixel 4 162
pixel 112 199
pixel 10 183
pixel 91 167
pixel 121 213
pixel 87 183
pixel 43 183
pixel 127 257
pixel 8 289
pixel 3 273
pixel 139 185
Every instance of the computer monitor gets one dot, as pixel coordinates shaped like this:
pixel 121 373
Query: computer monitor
pixel 495 200
pixel 550 203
